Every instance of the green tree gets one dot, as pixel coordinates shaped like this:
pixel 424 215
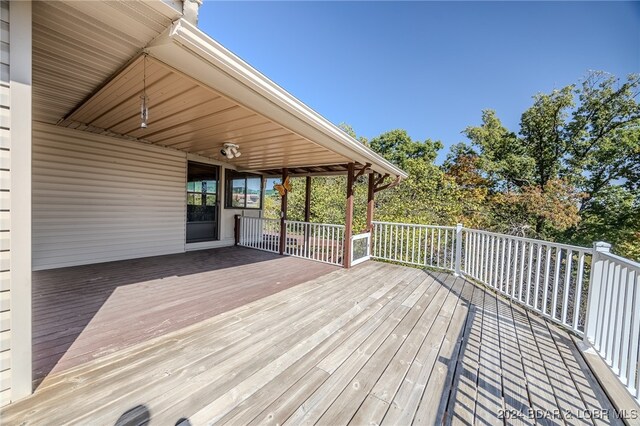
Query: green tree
pixel 576 147
pixel 398 147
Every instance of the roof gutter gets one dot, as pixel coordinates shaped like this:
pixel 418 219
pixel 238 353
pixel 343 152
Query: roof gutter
pixel 237 80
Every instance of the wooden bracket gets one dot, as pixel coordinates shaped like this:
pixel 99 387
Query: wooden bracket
pixel 387 186
pixel 380 179
pixel 362 170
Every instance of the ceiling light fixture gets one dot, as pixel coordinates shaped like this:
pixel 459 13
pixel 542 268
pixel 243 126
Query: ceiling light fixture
pixel 231 151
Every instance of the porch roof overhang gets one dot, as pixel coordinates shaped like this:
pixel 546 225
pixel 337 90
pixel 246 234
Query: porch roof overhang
pixel 202 96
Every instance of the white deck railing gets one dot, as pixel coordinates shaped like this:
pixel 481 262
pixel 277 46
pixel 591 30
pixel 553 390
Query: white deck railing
pixel 259 233
pixel 591 292
pixel 421 245
pixel 613 320
pixel 315 241
pixel 548 278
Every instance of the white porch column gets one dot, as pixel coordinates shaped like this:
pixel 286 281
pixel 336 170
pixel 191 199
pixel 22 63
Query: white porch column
pixel 20 82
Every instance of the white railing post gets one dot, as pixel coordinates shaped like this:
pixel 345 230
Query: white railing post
pixel 595 290
pixel 458 259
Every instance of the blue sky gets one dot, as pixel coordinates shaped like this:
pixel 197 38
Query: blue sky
pixel 427 67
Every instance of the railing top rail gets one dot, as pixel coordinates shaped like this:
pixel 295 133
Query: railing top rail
pixel 361 236
pixel 259 218
pixel 530 240
pixel 621 259
pixel 415 225
pixel 313 223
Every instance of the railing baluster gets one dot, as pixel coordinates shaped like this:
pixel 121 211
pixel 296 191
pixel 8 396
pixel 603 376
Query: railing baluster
pixel 521 280
pixel 579 288
pixel 498 260
pixel 507 288
pixel 613 326
pixel 432 239
pixel 633 369
pixel 478 257
pixel 490 251
pixel 446 242
pixel 529 273
pixel 516 246
pixel 623 324
pixel 502 266
pixel 536 290
pixel 567 285
pixel 482 256
pixel 556 284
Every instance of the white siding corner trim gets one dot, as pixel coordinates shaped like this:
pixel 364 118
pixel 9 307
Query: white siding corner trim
pixel 98 198
pixel 5 206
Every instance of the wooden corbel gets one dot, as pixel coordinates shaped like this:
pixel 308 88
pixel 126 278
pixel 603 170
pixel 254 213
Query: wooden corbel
pixel 380 180
pixel 387 186
pixel 362 170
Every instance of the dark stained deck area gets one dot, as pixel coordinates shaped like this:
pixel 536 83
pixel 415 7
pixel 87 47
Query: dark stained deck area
pixel 377 344
pixel 85 312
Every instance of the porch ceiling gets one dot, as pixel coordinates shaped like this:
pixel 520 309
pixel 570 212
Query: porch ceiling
pixel 187 115
pixel 87 73
pixel 78 45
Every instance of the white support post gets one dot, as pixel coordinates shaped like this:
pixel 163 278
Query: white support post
pixel 458 260
pixel 595 289
pixel 20 82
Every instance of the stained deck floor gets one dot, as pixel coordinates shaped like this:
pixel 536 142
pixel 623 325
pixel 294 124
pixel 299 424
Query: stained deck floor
pixel 85 312
pixel 377 344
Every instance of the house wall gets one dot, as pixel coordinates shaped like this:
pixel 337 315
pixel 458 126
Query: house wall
pixel 5 236
pixel 98 198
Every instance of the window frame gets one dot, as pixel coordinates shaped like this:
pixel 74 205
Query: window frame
pixel 231 175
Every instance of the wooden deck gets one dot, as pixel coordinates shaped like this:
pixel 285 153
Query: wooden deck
pixel 83 313
pixel 377 344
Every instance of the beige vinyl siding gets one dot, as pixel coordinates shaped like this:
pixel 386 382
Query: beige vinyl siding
pixel 5 205
pixel 97 198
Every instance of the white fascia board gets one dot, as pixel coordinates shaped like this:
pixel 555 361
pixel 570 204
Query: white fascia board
pixel 187 49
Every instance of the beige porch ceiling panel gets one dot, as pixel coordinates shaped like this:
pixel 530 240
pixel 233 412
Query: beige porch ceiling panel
pixel 189 116
pixel 78 45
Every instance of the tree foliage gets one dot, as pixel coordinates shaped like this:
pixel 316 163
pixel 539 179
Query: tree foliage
pixel 570 173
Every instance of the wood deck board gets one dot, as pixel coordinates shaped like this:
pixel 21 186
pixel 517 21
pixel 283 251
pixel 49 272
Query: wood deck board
pixel 377 344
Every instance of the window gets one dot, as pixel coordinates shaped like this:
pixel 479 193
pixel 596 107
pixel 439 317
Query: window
pixel 244 190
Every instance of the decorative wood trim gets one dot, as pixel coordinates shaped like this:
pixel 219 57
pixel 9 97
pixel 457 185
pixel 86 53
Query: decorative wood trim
pixel 387 186
pixel 362 170
pixel 380 180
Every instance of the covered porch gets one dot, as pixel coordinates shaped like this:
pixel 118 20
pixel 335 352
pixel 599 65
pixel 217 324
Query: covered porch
pixel 280 340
